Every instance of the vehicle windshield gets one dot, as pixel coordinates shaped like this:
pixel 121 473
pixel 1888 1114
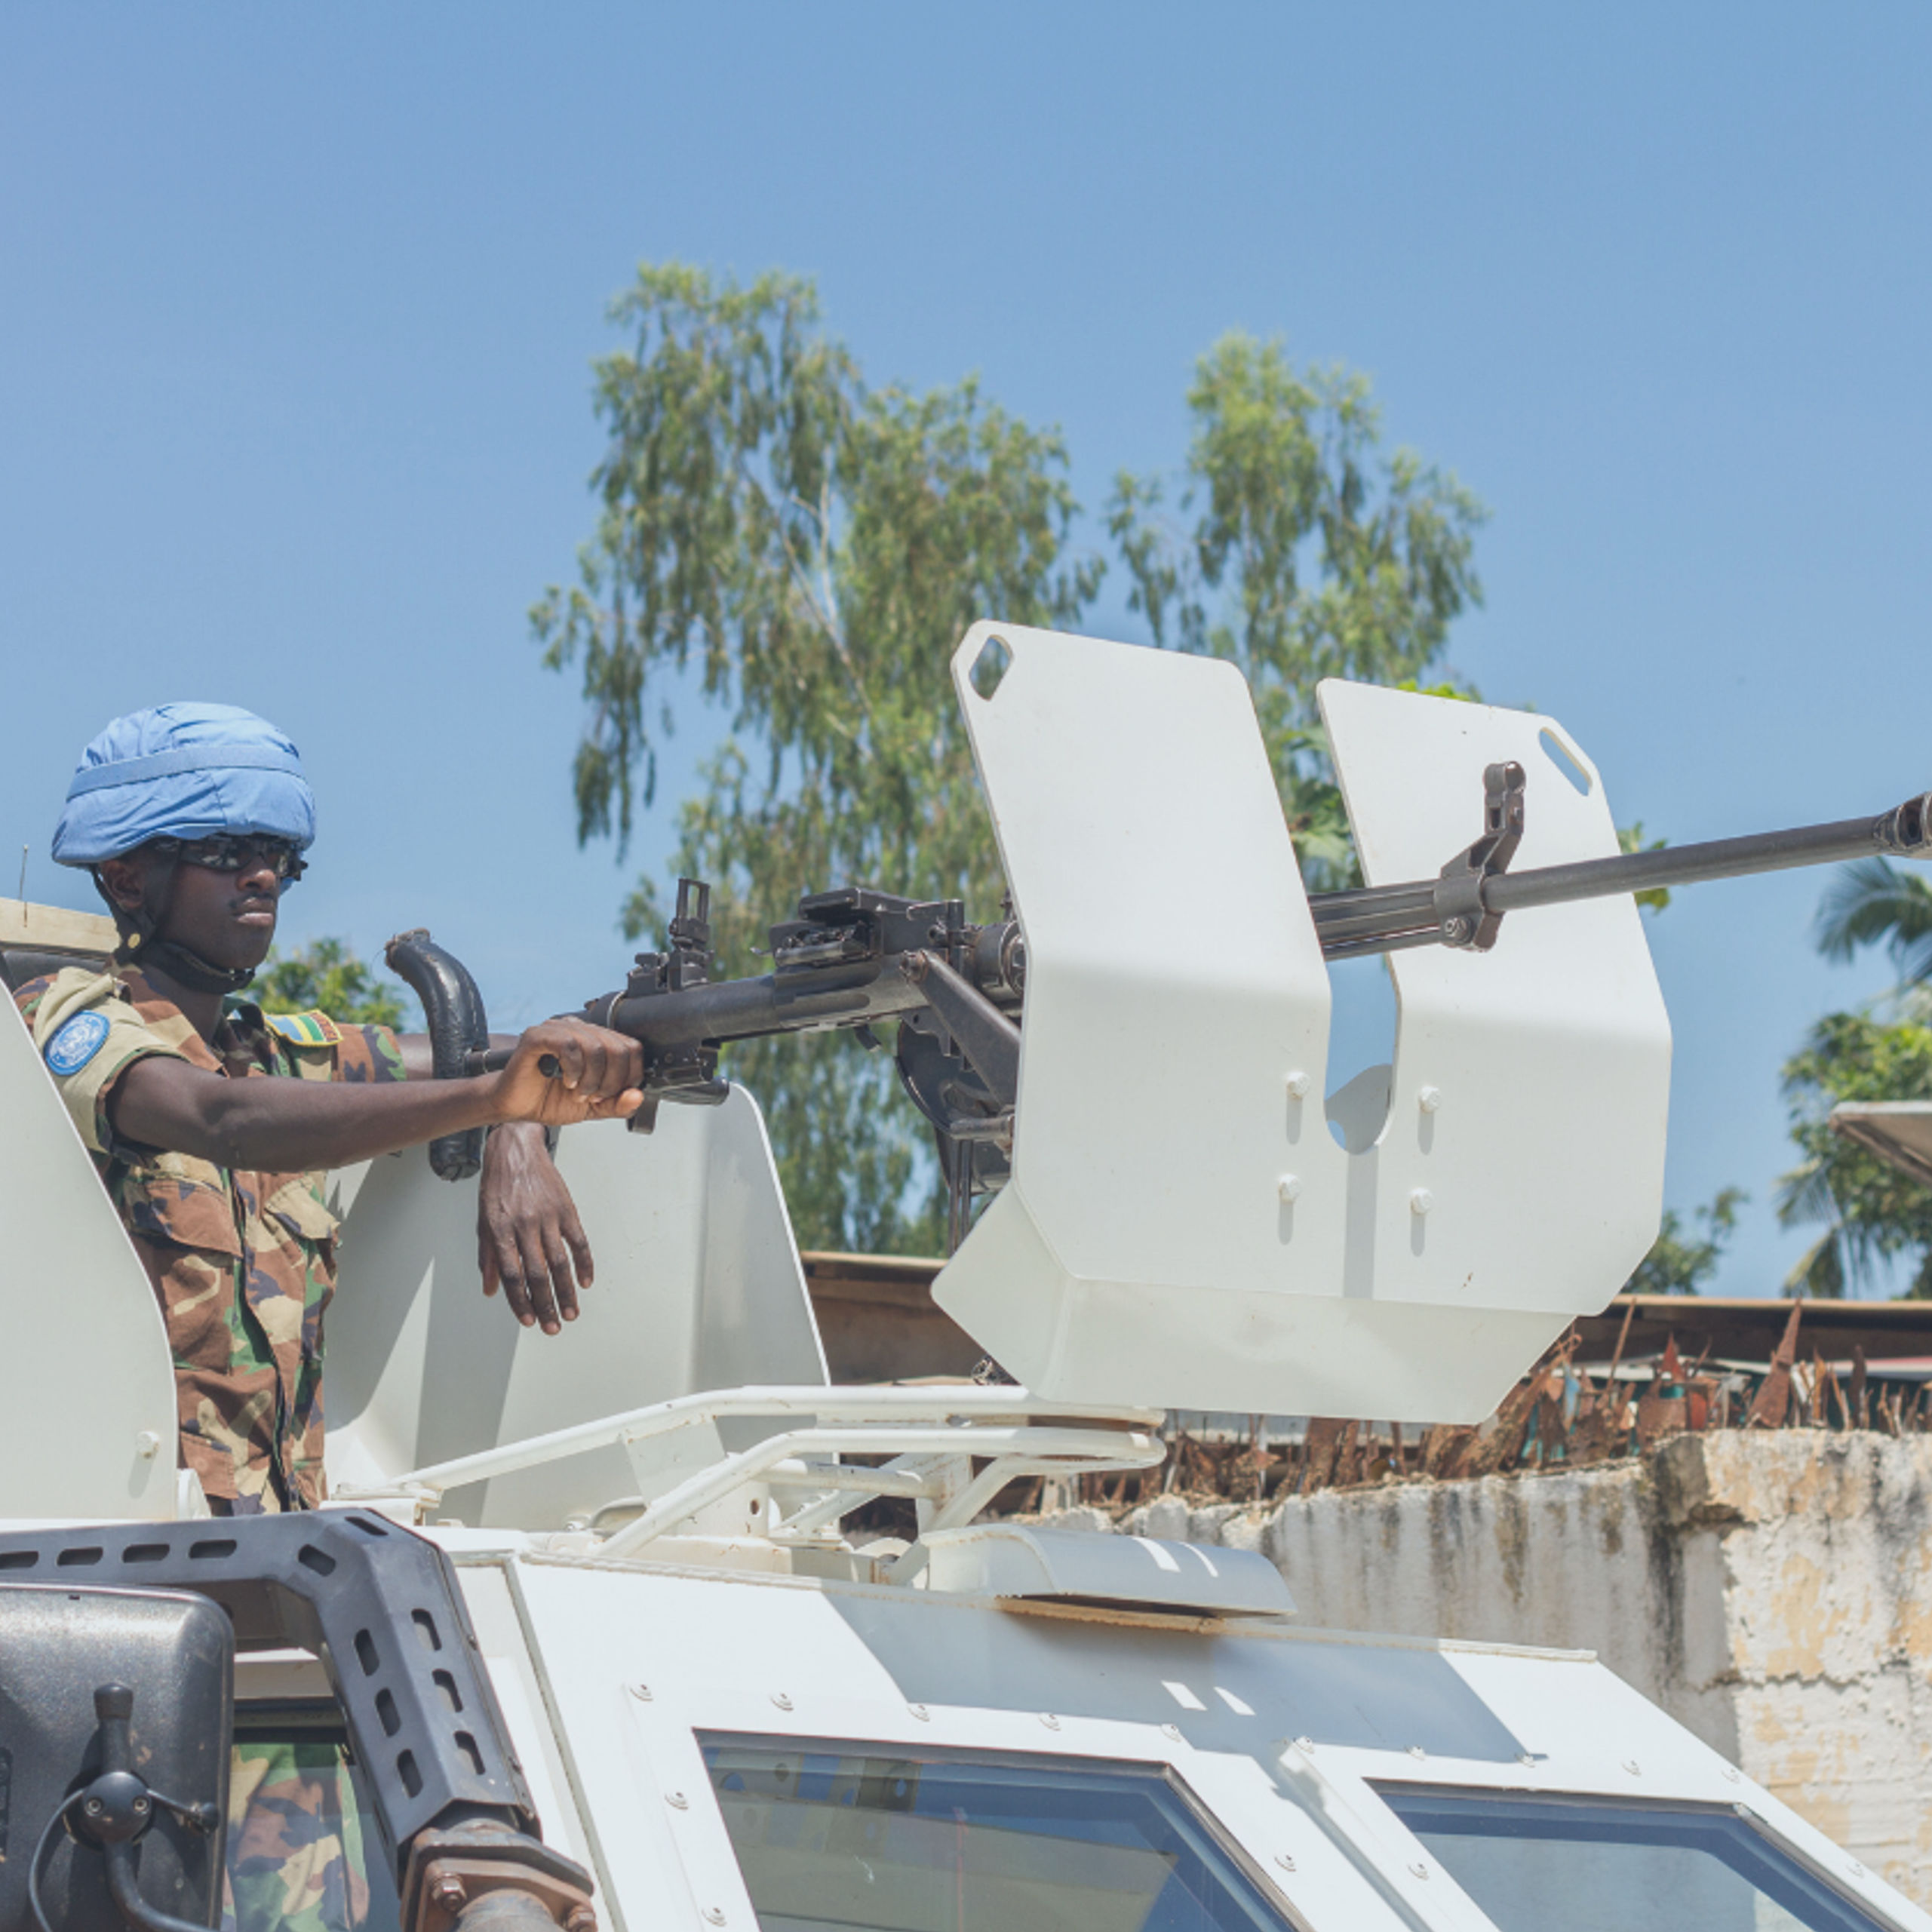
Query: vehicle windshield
pixel 858 1838
pixel 1594 1865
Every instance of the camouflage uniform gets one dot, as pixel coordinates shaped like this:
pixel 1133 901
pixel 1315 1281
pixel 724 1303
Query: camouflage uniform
pixel 243 1263
pixel 296 1859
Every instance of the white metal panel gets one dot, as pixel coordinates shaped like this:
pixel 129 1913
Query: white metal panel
pixel 639 1663
pixel 1180 1228
pixel 87 1382
pixel 490 1598
pixel 1531 1082
pixel 699 1284
pixel 1172 967
pixel 1015 1560
pixel 1281 1735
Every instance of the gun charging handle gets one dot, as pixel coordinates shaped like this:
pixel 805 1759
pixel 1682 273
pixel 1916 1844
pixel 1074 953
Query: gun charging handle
pixel 458 1033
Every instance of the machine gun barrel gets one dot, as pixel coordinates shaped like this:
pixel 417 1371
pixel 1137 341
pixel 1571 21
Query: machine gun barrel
pixel 1448 910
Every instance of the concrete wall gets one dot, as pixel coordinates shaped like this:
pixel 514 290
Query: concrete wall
pixel 1772 1590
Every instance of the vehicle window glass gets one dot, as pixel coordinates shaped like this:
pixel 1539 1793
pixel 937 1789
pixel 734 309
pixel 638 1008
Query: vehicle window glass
pixel 1592 1866
pixel 857 1838
pixel 303 1850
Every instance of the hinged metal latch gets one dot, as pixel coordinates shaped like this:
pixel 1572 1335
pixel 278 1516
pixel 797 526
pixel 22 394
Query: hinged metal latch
pixel 1463 919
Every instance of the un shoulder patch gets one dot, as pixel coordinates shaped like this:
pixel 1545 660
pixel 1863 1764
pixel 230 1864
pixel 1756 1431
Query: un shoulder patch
pixel 76 1043
pixel 305 1029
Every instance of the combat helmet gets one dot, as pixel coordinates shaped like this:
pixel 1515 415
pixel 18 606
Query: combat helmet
pixel 179 773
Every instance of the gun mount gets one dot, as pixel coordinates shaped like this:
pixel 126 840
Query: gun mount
pixel 1522 976
pixel 854 956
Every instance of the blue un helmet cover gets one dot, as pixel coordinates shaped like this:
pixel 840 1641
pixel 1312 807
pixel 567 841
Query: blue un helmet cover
pixel 183 771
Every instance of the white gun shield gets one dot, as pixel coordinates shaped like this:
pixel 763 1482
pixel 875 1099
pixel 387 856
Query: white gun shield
pixel 1180 1229
pixel 1531 1083
pixel 699 1286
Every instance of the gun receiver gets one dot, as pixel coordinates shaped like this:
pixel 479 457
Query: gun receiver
pixel 851 957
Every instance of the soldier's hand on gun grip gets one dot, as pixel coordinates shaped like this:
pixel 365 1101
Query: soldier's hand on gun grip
pixel 529 1239
pixel 562 1071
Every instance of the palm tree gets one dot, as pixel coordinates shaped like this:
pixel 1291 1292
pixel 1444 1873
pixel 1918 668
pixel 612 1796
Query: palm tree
pixel 1872 903
pixel 1871 1213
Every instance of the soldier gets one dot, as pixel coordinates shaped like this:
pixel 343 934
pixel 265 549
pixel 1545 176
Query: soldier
pixel 192 819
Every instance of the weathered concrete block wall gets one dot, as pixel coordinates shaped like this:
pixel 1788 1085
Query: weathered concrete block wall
pixel 1772 1590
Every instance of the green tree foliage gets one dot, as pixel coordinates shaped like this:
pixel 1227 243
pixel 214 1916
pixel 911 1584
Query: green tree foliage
pixel 325 976
pixel 1875 1213
pixel 1301 551
pixel 1680 1261
pixel 1630 838
pixel 813 549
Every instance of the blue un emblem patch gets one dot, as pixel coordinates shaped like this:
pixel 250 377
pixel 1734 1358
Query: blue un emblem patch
pixel 76 1043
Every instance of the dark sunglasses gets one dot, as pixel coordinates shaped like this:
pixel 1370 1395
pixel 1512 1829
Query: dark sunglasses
pixel 224 854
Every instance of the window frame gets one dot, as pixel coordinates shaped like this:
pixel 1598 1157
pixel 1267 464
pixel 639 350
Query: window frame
pixel 1198 1812
pixel 1775 1841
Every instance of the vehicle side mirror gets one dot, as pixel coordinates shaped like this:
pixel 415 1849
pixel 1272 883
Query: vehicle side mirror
pixel 116 1710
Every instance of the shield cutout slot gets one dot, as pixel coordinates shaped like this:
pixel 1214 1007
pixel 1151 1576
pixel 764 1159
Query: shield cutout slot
pixel 990 667
pixel 1565 760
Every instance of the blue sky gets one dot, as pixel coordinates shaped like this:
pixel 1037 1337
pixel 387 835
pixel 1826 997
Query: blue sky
pixel 297 307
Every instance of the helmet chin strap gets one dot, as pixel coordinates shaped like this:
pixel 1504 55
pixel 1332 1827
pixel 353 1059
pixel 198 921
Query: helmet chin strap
pixel 138 925
pixel 190 970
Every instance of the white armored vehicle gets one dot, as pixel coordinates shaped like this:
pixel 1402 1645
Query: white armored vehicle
pixel 590 1619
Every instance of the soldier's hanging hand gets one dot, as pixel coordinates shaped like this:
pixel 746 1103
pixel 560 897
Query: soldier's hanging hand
pixel 529 1242
pixel 562 1071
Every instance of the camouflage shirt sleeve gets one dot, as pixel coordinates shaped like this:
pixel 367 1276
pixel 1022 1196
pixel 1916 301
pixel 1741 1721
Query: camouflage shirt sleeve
pixel 369 1055
pixel 113 1044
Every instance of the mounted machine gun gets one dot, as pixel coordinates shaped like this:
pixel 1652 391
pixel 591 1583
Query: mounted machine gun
pixel 854 958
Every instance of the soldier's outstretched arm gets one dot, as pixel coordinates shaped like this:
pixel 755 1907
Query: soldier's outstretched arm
pixel 287 1126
